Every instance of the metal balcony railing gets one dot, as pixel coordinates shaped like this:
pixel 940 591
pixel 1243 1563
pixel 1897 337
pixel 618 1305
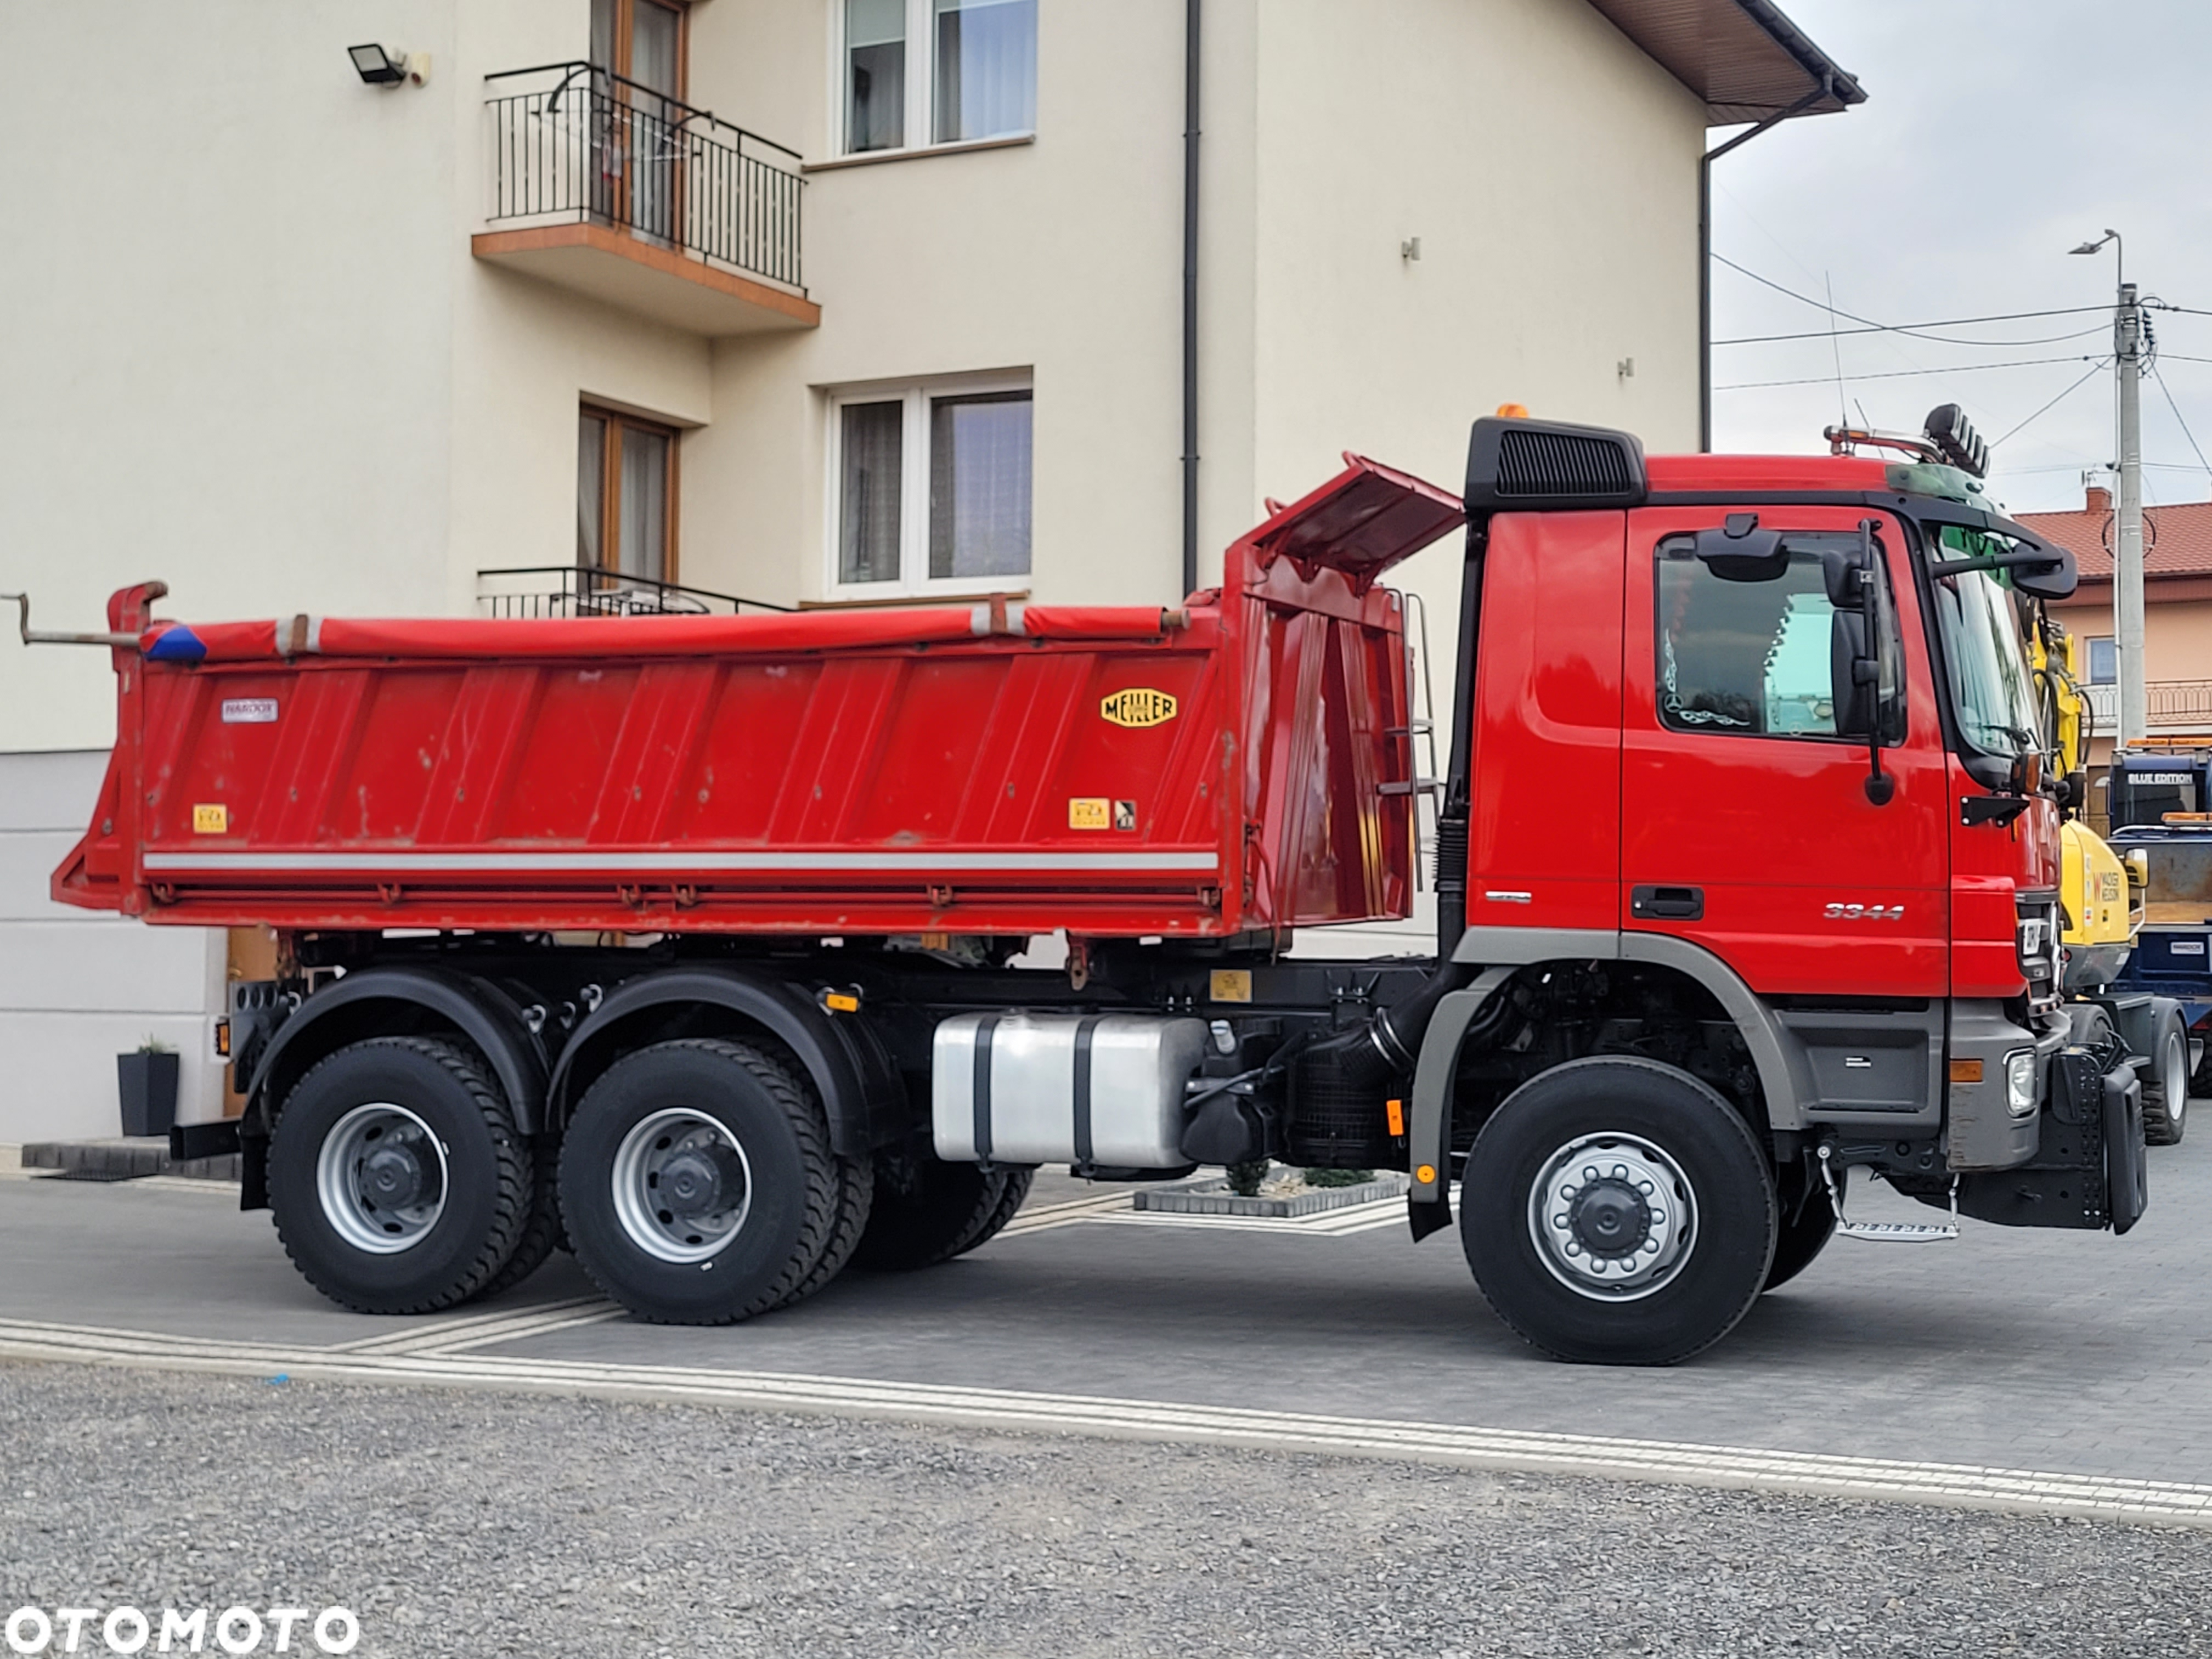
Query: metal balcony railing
pixel 575 143
pixel 2180 702
pixel 2171 702
pixel 567 590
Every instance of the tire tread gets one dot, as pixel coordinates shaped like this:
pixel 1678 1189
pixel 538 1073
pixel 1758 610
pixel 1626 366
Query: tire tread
pixel 825 1201
pixel 512 1169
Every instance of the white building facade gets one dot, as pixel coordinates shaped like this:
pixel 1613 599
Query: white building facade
pixel 808 301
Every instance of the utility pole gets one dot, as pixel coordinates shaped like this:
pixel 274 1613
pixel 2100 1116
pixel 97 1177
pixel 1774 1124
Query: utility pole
pixel 2128 541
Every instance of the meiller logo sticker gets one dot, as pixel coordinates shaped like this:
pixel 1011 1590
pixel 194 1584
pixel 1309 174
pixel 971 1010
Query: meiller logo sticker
pixel 249 711
pixel 1139 706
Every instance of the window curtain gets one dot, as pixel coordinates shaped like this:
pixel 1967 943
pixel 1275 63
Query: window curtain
pixel 979 485
pixel 644 503
pixel 875 71
pixel 591 489
pixel 986 68
pixel 868 514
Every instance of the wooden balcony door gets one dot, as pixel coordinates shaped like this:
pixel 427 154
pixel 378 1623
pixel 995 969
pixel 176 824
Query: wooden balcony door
pixel 638 114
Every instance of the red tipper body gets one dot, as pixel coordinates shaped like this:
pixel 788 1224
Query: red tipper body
pixel 992 768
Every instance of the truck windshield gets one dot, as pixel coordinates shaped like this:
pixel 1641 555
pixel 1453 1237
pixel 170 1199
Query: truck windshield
pixel 1992 692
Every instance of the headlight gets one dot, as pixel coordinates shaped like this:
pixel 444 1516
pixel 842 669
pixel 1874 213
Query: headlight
pixel 2020 1082
pixel 2035 941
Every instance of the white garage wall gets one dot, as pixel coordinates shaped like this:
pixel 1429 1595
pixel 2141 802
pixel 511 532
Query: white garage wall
pixel 77 987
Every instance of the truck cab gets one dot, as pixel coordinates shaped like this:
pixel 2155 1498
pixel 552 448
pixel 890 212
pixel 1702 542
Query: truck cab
pixel 1751 778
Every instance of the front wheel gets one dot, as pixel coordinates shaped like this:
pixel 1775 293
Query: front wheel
pixel 2166 1086
pixel 699 1187
pixel 1618 1211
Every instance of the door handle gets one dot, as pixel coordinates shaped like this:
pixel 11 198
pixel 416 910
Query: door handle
pixel 1668 903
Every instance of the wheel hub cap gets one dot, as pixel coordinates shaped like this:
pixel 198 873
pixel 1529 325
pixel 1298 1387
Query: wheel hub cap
pixel 392 1176
pixel 1609 1218
pixel 380 1178
pixel 1613 1217
pixel 682 1185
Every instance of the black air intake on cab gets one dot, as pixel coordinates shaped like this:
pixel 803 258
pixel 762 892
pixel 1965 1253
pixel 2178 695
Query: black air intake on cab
pixel 1545 463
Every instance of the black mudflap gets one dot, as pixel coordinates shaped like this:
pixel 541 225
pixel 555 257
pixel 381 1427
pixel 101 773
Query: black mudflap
pixel 2089 1169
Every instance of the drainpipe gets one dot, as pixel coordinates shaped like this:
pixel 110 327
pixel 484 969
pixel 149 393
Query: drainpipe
pixel 1825 89
pixel 1191 8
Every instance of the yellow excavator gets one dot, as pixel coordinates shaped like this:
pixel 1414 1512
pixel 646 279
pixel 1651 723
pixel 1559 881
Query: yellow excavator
pixel 2101 894
pixel 2100 898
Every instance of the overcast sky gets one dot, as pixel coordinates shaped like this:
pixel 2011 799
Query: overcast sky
pixel 1996 135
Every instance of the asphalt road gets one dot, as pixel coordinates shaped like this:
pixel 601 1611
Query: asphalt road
pixel 516 1507
pixel 454 1524
pixel 2023 1350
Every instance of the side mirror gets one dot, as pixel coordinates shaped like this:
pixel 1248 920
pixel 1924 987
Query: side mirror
pixel 1864 637
pixel 1740 551
pixel 2047 581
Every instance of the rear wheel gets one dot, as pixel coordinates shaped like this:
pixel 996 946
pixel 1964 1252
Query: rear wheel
pixel 2165 1085
pixel 397 1179
pixel 541 1227
pixel 698 1184
pixel 928 1211
pixel 1618 1211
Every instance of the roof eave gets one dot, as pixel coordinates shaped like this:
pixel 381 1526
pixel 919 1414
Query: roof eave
pixel 1743 58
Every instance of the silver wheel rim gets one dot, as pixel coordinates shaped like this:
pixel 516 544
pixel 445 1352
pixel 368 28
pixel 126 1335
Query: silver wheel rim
pixel 1613 1217
pixel 381 1178
pixel 683 1185
pixel 2174 1081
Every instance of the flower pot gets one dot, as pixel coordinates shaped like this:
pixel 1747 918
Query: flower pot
pixel 148 1086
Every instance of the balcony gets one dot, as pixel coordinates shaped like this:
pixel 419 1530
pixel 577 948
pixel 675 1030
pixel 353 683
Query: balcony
pixel 520 593
pixel 2175 706
pixel 609 189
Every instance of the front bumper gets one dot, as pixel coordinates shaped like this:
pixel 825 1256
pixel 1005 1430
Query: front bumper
pixel 1985 1131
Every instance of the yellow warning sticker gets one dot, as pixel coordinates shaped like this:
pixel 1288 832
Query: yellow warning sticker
pixel 211 820
pixel 1232 985
pixel 1087 813
pixel 1139 706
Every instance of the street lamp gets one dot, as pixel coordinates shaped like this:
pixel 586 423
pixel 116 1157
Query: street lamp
pixel 2119 251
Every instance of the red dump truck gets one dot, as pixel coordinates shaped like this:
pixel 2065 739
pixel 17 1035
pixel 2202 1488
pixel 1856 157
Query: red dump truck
pixel 698 939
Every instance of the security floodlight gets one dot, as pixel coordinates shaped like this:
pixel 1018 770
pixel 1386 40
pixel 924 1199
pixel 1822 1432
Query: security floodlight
pixel 377 67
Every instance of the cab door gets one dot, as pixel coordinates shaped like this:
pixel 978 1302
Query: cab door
pixel 1747 825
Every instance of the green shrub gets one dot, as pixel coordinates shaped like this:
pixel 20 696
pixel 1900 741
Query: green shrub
pixel 1245 1179
pixel 1338 1177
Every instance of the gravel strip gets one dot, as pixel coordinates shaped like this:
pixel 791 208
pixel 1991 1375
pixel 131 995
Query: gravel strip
pixel 458 1522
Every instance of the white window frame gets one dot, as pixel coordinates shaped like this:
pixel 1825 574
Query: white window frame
pixel 920 83
pixel 915 581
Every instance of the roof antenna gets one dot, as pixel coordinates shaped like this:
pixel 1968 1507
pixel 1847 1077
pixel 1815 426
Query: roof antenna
pixel 1843 408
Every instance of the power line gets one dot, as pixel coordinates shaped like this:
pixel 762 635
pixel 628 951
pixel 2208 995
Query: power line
pixel 2176 407
pixel 1901 373
pixel 2095 466
pixel 1912 329
pixel 2095 368
pixel 1873 327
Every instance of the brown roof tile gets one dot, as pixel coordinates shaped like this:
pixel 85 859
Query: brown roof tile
pixel 2177 540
